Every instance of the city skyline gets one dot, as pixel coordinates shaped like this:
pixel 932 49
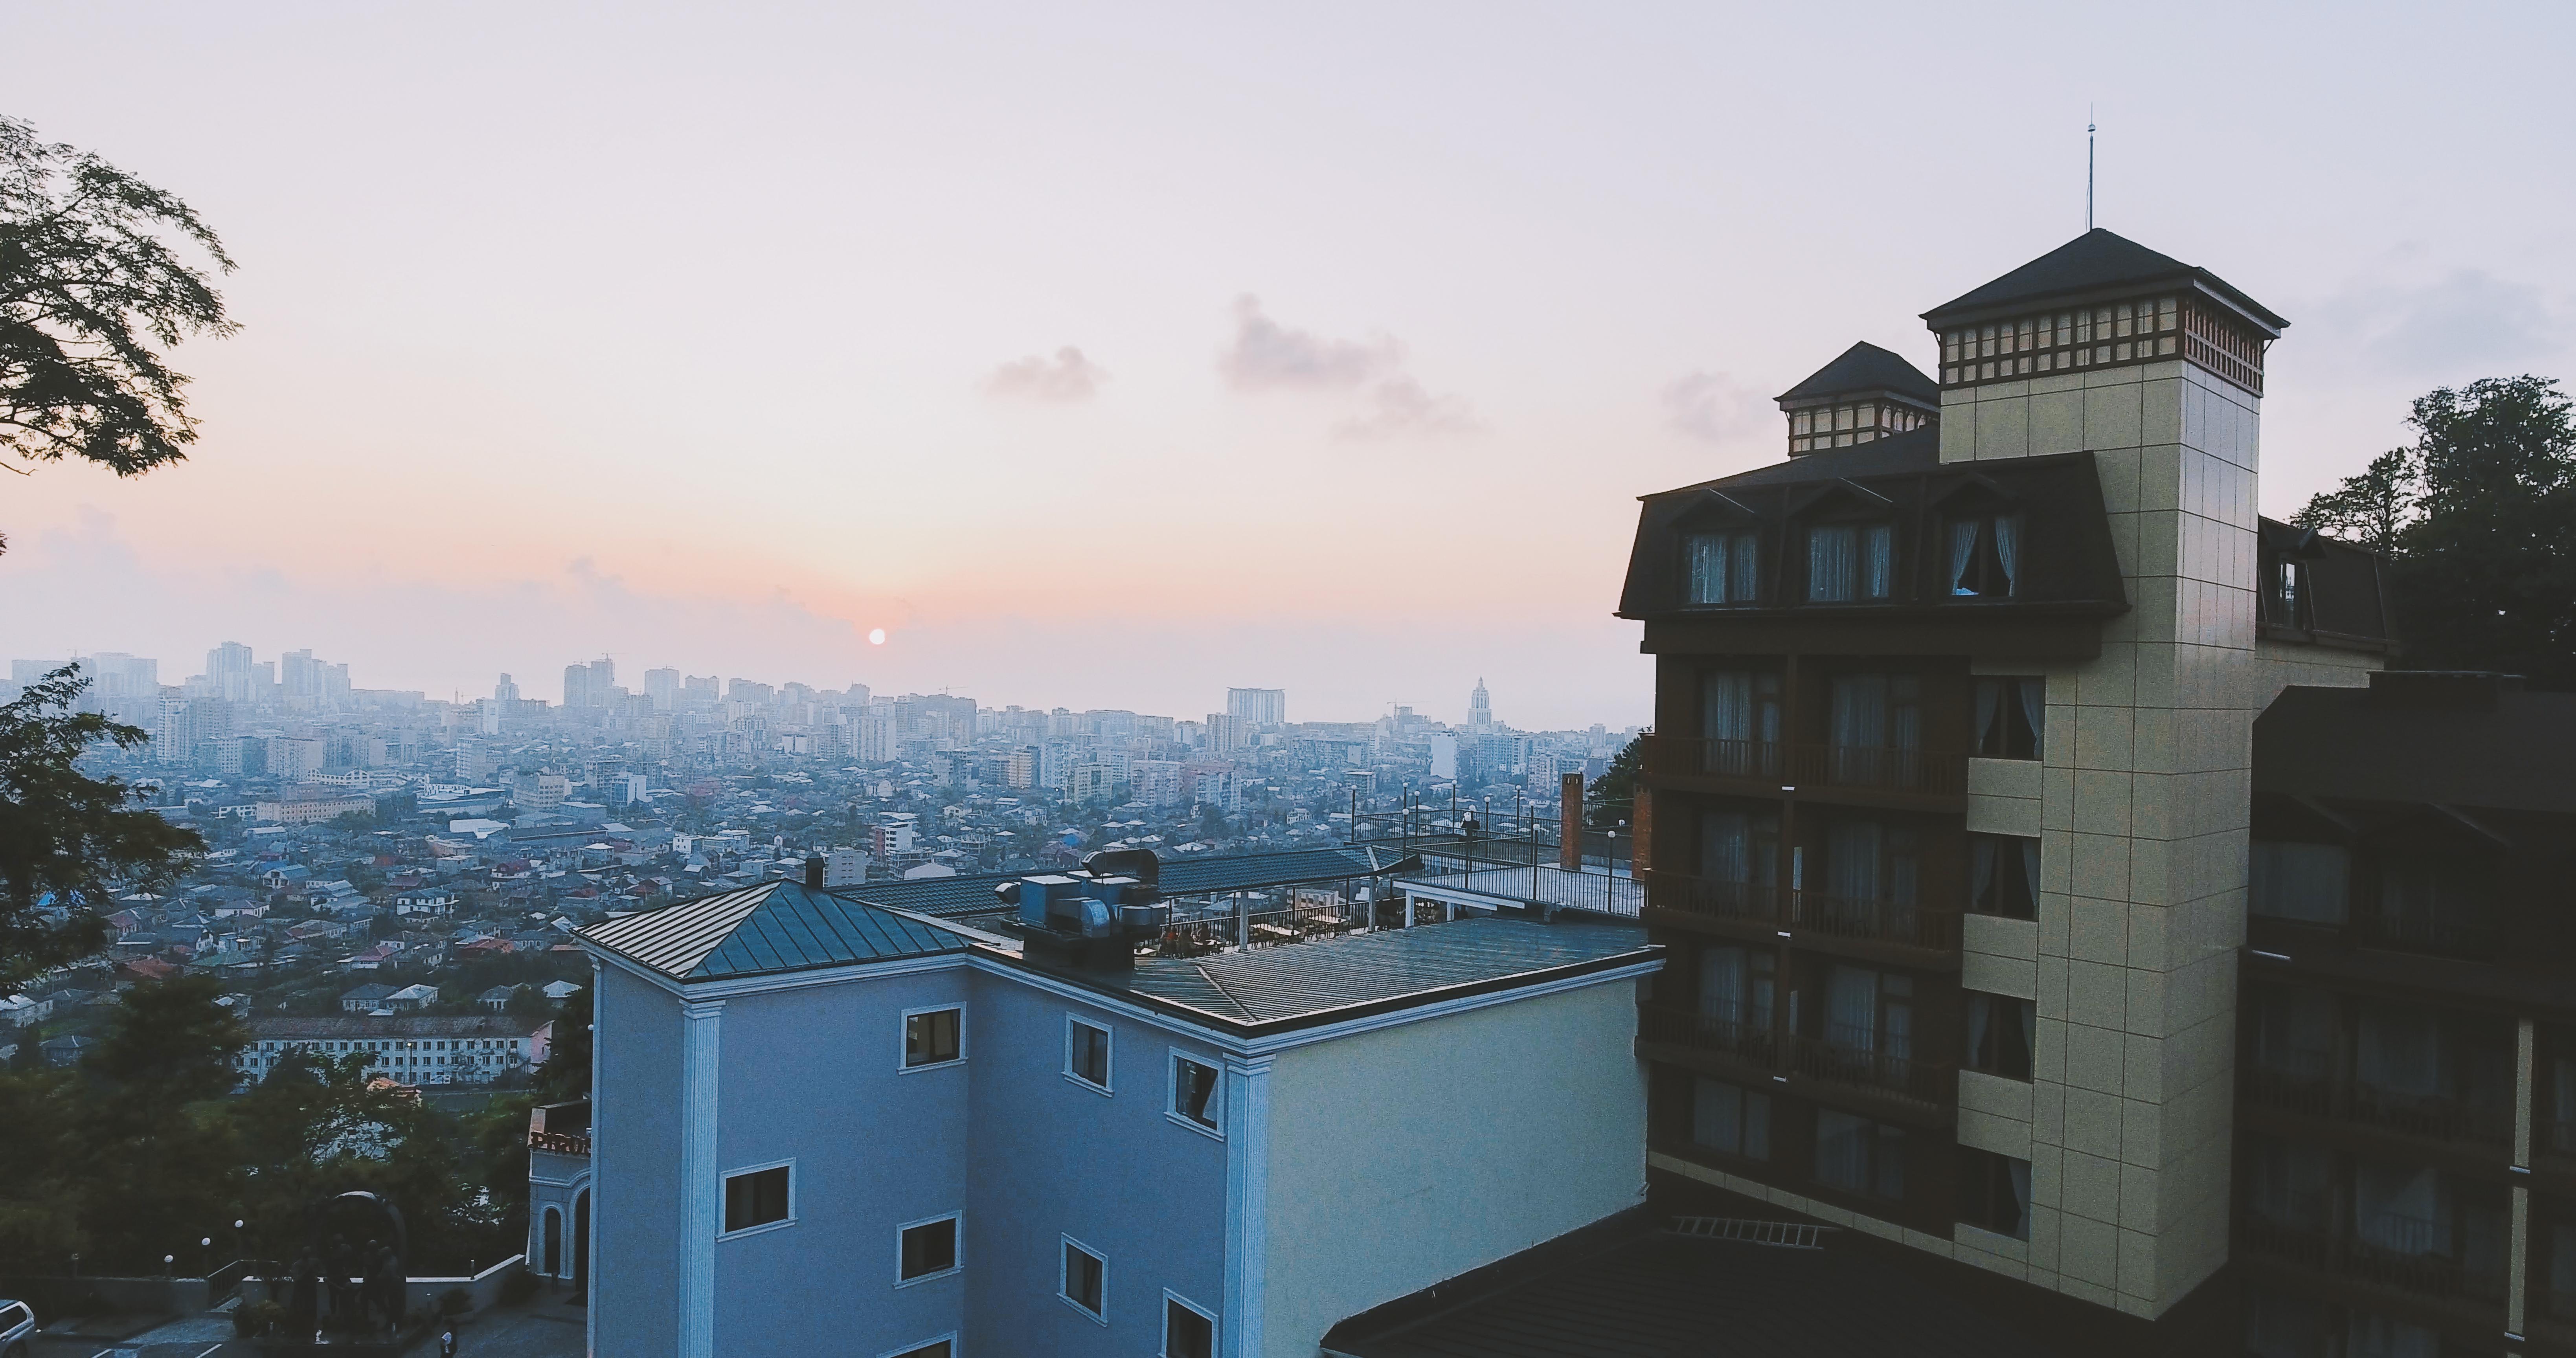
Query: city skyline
pixel 1258 369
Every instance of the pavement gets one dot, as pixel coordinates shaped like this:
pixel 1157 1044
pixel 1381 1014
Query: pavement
pixel 544 1328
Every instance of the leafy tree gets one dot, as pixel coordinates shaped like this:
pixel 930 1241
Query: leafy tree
pixel 67 840
pixel 1612 798
pixel 2479 517
pixel 157 1152
pixel 565 1076
pixel 92 288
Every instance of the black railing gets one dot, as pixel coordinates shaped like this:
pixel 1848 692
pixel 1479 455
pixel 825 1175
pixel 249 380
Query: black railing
pixel 1877 921
pixel 2303 1084
pixel 1755 1043
pixel 2461 932
pixel 1865 1060
pixel 1775 765
pixel 1756 902
pixel 2397 1251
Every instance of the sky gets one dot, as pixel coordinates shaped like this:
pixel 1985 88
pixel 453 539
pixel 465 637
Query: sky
pixel 1109 356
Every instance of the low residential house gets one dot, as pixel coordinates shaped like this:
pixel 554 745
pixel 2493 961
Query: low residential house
pixel 313 929
pixel 146 969
pixel 374 957
pixel 440 901
pixel 19 1011
pixel 560 991
pixel 412 998
pixel 285 875
pixel 497 998
pixel 66 1051
pixel 414 1049
pixel 483 947
pixel 366 999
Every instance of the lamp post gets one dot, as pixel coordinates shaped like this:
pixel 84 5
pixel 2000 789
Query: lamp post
pixel 168 1263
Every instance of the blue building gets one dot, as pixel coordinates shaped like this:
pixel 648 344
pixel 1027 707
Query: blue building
pixel 826 1125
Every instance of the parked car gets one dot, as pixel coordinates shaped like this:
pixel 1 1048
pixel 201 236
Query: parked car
pixel 17 1328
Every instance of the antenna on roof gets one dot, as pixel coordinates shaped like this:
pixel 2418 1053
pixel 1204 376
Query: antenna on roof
pixel 2088 167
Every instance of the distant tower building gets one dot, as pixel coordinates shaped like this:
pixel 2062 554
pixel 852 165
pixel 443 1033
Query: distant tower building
pixel 663 687
pixel 228 668
pixel 589 685
pixel 1480 709
pixel 505 691
pixel 1259 706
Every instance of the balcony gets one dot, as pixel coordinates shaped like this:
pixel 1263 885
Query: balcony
pixel 2304 1087
pixel 1744 1042
pixel 1878 774
pixel 2450 932
pixel 1911 926
pixel 1758 906
pixel 2398 1253
pixel 1855 1059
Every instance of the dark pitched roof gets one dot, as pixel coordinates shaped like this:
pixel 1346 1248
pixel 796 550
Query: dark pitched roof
pixel 1195 876
pixel 2412 737
pixel 1866 367
pixel 1320 977
pixel 768 927
pixel 2098 261
pixel 1661 1295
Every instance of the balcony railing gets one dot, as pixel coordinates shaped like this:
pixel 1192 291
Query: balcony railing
pixel 1928 773
pixel 1756 902
pixel 1877 921
pixel 1858 1059
pixel 2304 1085
pixel 2398 1253
pixel 1702 1032
pixel 2459 932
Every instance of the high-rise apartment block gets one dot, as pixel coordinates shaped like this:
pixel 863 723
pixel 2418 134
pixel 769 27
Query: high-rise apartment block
pixel 663 687
pixel 588 685
pixel 1258 706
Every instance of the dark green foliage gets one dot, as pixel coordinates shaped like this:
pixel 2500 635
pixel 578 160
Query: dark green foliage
pixel 1612 798
pixel 67 838
pixel 2479 519
pixel 91 291
pixel 565 1077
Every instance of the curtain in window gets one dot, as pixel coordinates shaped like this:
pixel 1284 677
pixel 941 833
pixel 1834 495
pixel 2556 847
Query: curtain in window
pixel 2034 698
pixel 1990 693
pixel 1842 1150
pixel 1852 849
pixel 1877 561
pixel 1739 575
pixel 2017 1173
pixel 1721 984
pixel 1830 552
pixel 2300 881
pixel 2008 551
pixel 1851 1008
pixel 1896 1017
pixel 1981 1030
pixel 1726 846
pixel 1963 555
pixel 1860 711
pixel 2398 1051
pixel 1981 872
pixel 1889 1161
pixel 2398 1208
pixel 2029 904
pixel 1708 562
pixel 1717 1116
pixel 2377 1336
pixel 1903 868
pixel 1726 705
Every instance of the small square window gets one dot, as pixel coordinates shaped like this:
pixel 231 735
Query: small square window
pixel 932 1037
pixel 1086 1053
pixel 926 1249
pixel 1086 1280
pixel 759 1197
pixel 1194 1092
pixel 1188 1332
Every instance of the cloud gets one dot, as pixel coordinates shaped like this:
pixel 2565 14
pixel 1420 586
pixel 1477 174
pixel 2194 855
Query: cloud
pixel 1066 378
pixel 2465 319
pixel 1267 356
pixel 1714 407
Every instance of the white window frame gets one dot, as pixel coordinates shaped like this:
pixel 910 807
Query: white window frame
pixel 1100 1316
pixel 958 1240
pixel 903 1039
pixel 1109 1053
pixel 1216 1333
pixel 950 1339
pixel 1172 1093
pixel 779 1225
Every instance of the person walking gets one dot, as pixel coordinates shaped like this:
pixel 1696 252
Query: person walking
pixel 447 1343
pixel 344 1267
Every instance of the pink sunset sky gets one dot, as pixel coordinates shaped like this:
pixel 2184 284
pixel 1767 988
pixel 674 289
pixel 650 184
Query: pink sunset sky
pixel 1112 355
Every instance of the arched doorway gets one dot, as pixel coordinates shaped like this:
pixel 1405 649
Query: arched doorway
pixel 581 1243
pixel 553 1248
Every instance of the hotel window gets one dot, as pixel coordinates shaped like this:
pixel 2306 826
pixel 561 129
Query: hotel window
pixel 2000 1028
pixel 1738 849
pixel 1086 1281
pixel 1730 1119
pixel 2003 875
pixel 932 1037
pixel 1723 567
pixel 2011 717
pixel 1740 718
pixel 1086 1053
pixel 1857 1155
pixel 1188 1332
pixel 1985 556
pixel 2287 604
pixel 2434 901
pixel 1994 1192
pixel 754 1198
pixel 2305 882
pixel 926 1250
pixel 1850 562
pixel 1737 987
pixel 1869 1015
pixel 1194 1092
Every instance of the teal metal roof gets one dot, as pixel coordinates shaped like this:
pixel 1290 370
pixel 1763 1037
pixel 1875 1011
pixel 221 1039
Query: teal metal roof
pixel 1193 876
pixel 770 927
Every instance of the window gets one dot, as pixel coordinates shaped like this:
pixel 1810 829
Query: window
pixel 1086 1280
pixel 1985 557
pixel 1188 1332
pixel 1730 1119
pixel 2011 717
pixel 2287 598
pixel 1870 1014
pixel 926 1249
pixel 2305 882
pixel 1086 1053
pixel 2433 902
pixel 1736 987
pixel 933 1037
pixel 943 1347
pixel 1874 719
pixel 2003 876
pixel 1740 722
pixel 1994 1192
pixel 2000 1028
pixel 1857 1155
pixel 754 1198
pixel 1849 562
pixel 1722 569
pixel 1739 859
pixel 1194 1098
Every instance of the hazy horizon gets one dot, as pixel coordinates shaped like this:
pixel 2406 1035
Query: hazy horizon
pixel 1112 359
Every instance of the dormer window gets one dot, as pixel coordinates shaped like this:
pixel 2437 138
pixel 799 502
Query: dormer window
pixel 2286 606
pixel 1985 556
pixel 1850 562
pixel 1722 566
